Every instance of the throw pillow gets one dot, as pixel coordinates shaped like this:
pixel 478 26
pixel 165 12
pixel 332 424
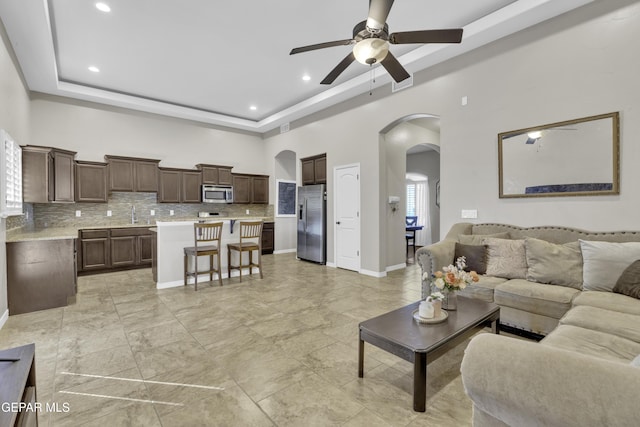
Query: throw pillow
pixel 604 263
pixel 506 258
pixel 554 264
pixel 475 255
pixel 636 362
pixel 476 239
pixel 629 283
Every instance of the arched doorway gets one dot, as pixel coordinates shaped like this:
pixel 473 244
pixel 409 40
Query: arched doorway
pixel 407 143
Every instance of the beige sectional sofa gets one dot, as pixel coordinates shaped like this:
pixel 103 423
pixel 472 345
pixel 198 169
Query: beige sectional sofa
pixel 586 370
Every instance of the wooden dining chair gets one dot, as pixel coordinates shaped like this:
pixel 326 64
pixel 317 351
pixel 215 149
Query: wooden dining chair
pixel 207 237
pixel 250 241
pixel 410 235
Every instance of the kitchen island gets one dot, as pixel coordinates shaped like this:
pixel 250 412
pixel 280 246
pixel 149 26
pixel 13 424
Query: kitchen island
pixel 174 236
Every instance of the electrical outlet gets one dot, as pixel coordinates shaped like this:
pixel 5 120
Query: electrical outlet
pixel 469 213
pixel 78 214
pixel 247 212
pixel 171 212
pixel 152 212
pixel 109 213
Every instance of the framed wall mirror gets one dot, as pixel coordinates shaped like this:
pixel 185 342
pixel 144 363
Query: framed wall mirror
pixel 573 158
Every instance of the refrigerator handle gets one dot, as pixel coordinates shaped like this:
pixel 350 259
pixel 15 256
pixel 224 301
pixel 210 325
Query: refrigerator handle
pixel 305 213
pixel 301 207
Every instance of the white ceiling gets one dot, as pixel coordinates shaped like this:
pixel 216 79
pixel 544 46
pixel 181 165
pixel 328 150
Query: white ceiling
pixel 210 61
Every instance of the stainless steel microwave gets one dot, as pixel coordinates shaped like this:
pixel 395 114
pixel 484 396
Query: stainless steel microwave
pixel 217 194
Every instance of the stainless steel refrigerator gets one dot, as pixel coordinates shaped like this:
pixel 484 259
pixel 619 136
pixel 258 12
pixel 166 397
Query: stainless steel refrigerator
pixel 312 223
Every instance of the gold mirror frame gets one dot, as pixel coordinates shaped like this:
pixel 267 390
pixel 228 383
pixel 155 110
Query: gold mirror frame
pixel 572 158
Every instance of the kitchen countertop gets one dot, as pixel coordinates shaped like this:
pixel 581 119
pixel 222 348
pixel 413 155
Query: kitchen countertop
pixel 24 234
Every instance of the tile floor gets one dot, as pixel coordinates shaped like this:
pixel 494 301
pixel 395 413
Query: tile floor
pixel 277 351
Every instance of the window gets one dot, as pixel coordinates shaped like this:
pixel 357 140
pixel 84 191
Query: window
pixel 11 179
pixel 411 200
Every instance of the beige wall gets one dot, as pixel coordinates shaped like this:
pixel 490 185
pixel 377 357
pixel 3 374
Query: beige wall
pixel 14 118
pixel 573 66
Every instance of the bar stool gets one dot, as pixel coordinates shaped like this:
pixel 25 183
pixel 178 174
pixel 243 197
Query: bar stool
pixel 249 230
pixel 204 233
pixel 410 235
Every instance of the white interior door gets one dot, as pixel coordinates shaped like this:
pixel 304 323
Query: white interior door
pixel 347 216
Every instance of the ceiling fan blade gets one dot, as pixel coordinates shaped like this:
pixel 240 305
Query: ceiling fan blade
pixel 339 69
pixel 321 46
pixel 378 13
pixel 453 35
pixel 394 68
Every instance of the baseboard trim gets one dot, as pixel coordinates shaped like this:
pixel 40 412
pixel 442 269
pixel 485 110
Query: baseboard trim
pixel 331 264
pixel 4 318
pixel 285 251
pixel 378 274
pixel 203 278
pixel 396 267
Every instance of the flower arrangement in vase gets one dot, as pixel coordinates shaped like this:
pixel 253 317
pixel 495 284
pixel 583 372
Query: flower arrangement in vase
pixel 450 279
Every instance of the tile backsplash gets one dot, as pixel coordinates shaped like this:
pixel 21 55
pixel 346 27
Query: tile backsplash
pixel 120 204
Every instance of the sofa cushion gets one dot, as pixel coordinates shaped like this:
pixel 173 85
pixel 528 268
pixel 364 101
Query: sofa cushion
pixel 629 283
pixel 554 264
pixel 547 300
pixel 604 263
pixel 506 258
pixel 475 256
pixel 476 239
pixel 593 343
pixel 483 288
pixel 609 301
pixel 599 319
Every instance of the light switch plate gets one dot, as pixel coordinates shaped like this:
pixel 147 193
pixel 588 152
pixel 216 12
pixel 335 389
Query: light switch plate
pixel 153 212
pixel 171 212
pixel 109 213
pixel 469 213
pixel 78 214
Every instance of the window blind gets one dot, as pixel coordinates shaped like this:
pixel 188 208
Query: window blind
pixel 11 185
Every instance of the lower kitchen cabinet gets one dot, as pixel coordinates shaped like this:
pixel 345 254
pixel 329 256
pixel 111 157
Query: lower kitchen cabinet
pixel 115 248
pixel 41 274
pixel 268 237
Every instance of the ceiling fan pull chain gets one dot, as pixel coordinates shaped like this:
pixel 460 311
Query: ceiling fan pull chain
pixel 372 79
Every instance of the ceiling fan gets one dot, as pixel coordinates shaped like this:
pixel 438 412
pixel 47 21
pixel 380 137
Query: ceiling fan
pixel 371 41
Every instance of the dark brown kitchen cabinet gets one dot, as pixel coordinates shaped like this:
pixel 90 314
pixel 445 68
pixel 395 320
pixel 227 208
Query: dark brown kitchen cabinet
pixel 241 188
pixel 48 174
pixel 250 189
pixel 314 169
pixel 132 174
pixel 268 237
pixel 94 250
pixel 214 174
pixel 179 185
pixel 115 248
pixel 91 182
pixel 18 387
pixel 41 274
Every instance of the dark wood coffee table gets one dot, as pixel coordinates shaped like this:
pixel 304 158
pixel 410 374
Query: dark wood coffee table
pixel 399 333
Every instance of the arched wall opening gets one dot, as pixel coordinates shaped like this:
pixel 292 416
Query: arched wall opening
pixel 285 235
pixel 410 144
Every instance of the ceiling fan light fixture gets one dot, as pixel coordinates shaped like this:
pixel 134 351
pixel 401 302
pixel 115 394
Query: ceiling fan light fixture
pixel 371 50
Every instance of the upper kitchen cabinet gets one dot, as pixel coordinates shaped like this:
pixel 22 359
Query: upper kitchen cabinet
pixel 214 174
pixel 48 174
pixel 314 170
pixel 179 185
pixel 91 182
pixel 250 188
pixel 132 174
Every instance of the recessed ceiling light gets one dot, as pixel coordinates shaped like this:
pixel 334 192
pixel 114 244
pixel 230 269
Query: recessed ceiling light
pixel 306 77
pixel 94 69
pixel 103 7
pixel 253 108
